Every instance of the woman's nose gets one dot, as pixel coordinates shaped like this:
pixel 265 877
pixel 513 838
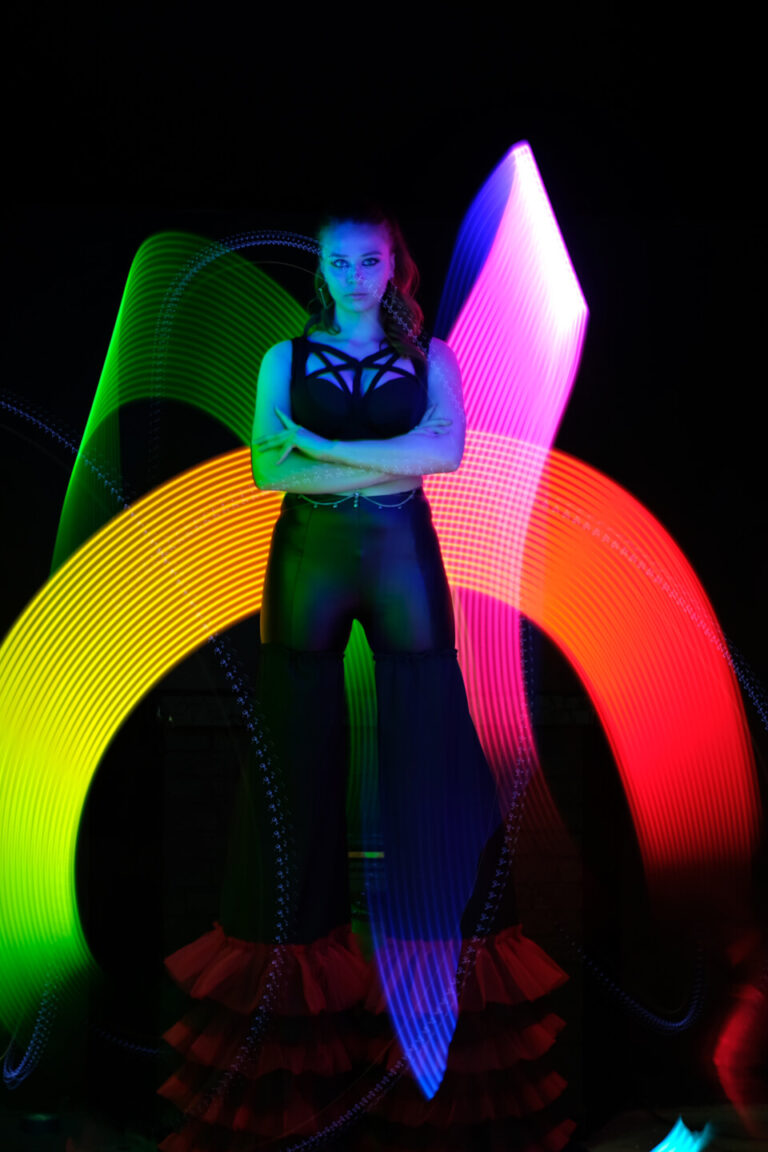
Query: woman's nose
pixel 354 273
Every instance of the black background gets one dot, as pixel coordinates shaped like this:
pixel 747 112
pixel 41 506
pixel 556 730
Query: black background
pixel 649 138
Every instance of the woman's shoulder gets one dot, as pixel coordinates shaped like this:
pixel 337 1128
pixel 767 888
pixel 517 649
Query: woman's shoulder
pixel 282 348
pixel 276 364
pixel 442 356
pixel 279 354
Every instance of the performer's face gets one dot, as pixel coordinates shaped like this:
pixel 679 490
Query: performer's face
pixel 357 261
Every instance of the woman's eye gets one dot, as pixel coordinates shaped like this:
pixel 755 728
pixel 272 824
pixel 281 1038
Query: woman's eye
pixel 370 261
pixel 338 263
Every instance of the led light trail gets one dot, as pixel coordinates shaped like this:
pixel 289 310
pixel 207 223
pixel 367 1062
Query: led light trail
pixel 522 529
pixel 518 338
pixel 202 349
pixel 189 560
pixel 682 1139
pixel 519 326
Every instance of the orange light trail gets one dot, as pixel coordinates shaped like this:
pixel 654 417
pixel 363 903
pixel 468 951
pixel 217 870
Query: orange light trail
pixel 599 575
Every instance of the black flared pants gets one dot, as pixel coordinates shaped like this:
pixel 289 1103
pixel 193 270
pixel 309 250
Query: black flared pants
pixel 330 563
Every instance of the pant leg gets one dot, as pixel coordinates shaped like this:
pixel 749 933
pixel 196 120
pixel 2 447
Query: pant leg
pixel 437 792
pixel 480 1068
pixel 438 799
pixel 437 803
pixel 301 697
pixel 272 1053
pixel 305 621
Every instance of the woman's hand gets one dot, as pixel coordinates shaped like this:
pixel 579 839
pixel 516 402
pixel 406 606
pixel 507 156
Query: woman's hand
pixel 293 438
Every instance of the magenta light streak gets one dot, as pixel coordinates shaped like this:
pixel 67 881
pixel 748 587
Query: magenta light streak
pixel 518 341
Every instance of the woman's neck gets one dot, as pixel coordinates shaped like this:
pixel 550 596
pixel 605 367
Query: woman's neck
pixel 359 329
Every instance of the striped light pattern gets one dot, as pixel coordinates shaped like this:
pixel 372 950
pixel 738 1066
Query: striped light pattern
pixel 195 320
pixel 601 577
pixel 610 587
pixel 193 325
pixel 517 337
pixel 682 1139
pixel 157 581
pixel 519 528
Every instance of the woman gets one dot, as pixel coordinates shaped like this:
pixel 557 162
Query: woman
pixel 348 419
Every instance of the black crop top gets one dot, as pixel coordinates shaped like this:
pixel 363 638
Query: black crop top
pixel 343 398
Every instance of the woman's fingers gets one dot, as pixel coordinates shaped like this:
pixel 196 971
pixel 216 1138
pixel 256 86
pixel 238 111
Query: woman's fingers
pixel 284 440
pixel 285 454
pixel 275 439
pixel 264 443
pixel 285 419
pixel 277 446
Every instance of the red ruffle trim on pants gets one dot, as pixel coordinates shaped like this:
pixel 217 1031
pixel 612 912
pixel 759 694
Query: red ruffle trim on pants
pixel 324 1045
pixel 329 1040
pixel 299 1076
pixel 508 968
pixel 499 1091
pixel 328 975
